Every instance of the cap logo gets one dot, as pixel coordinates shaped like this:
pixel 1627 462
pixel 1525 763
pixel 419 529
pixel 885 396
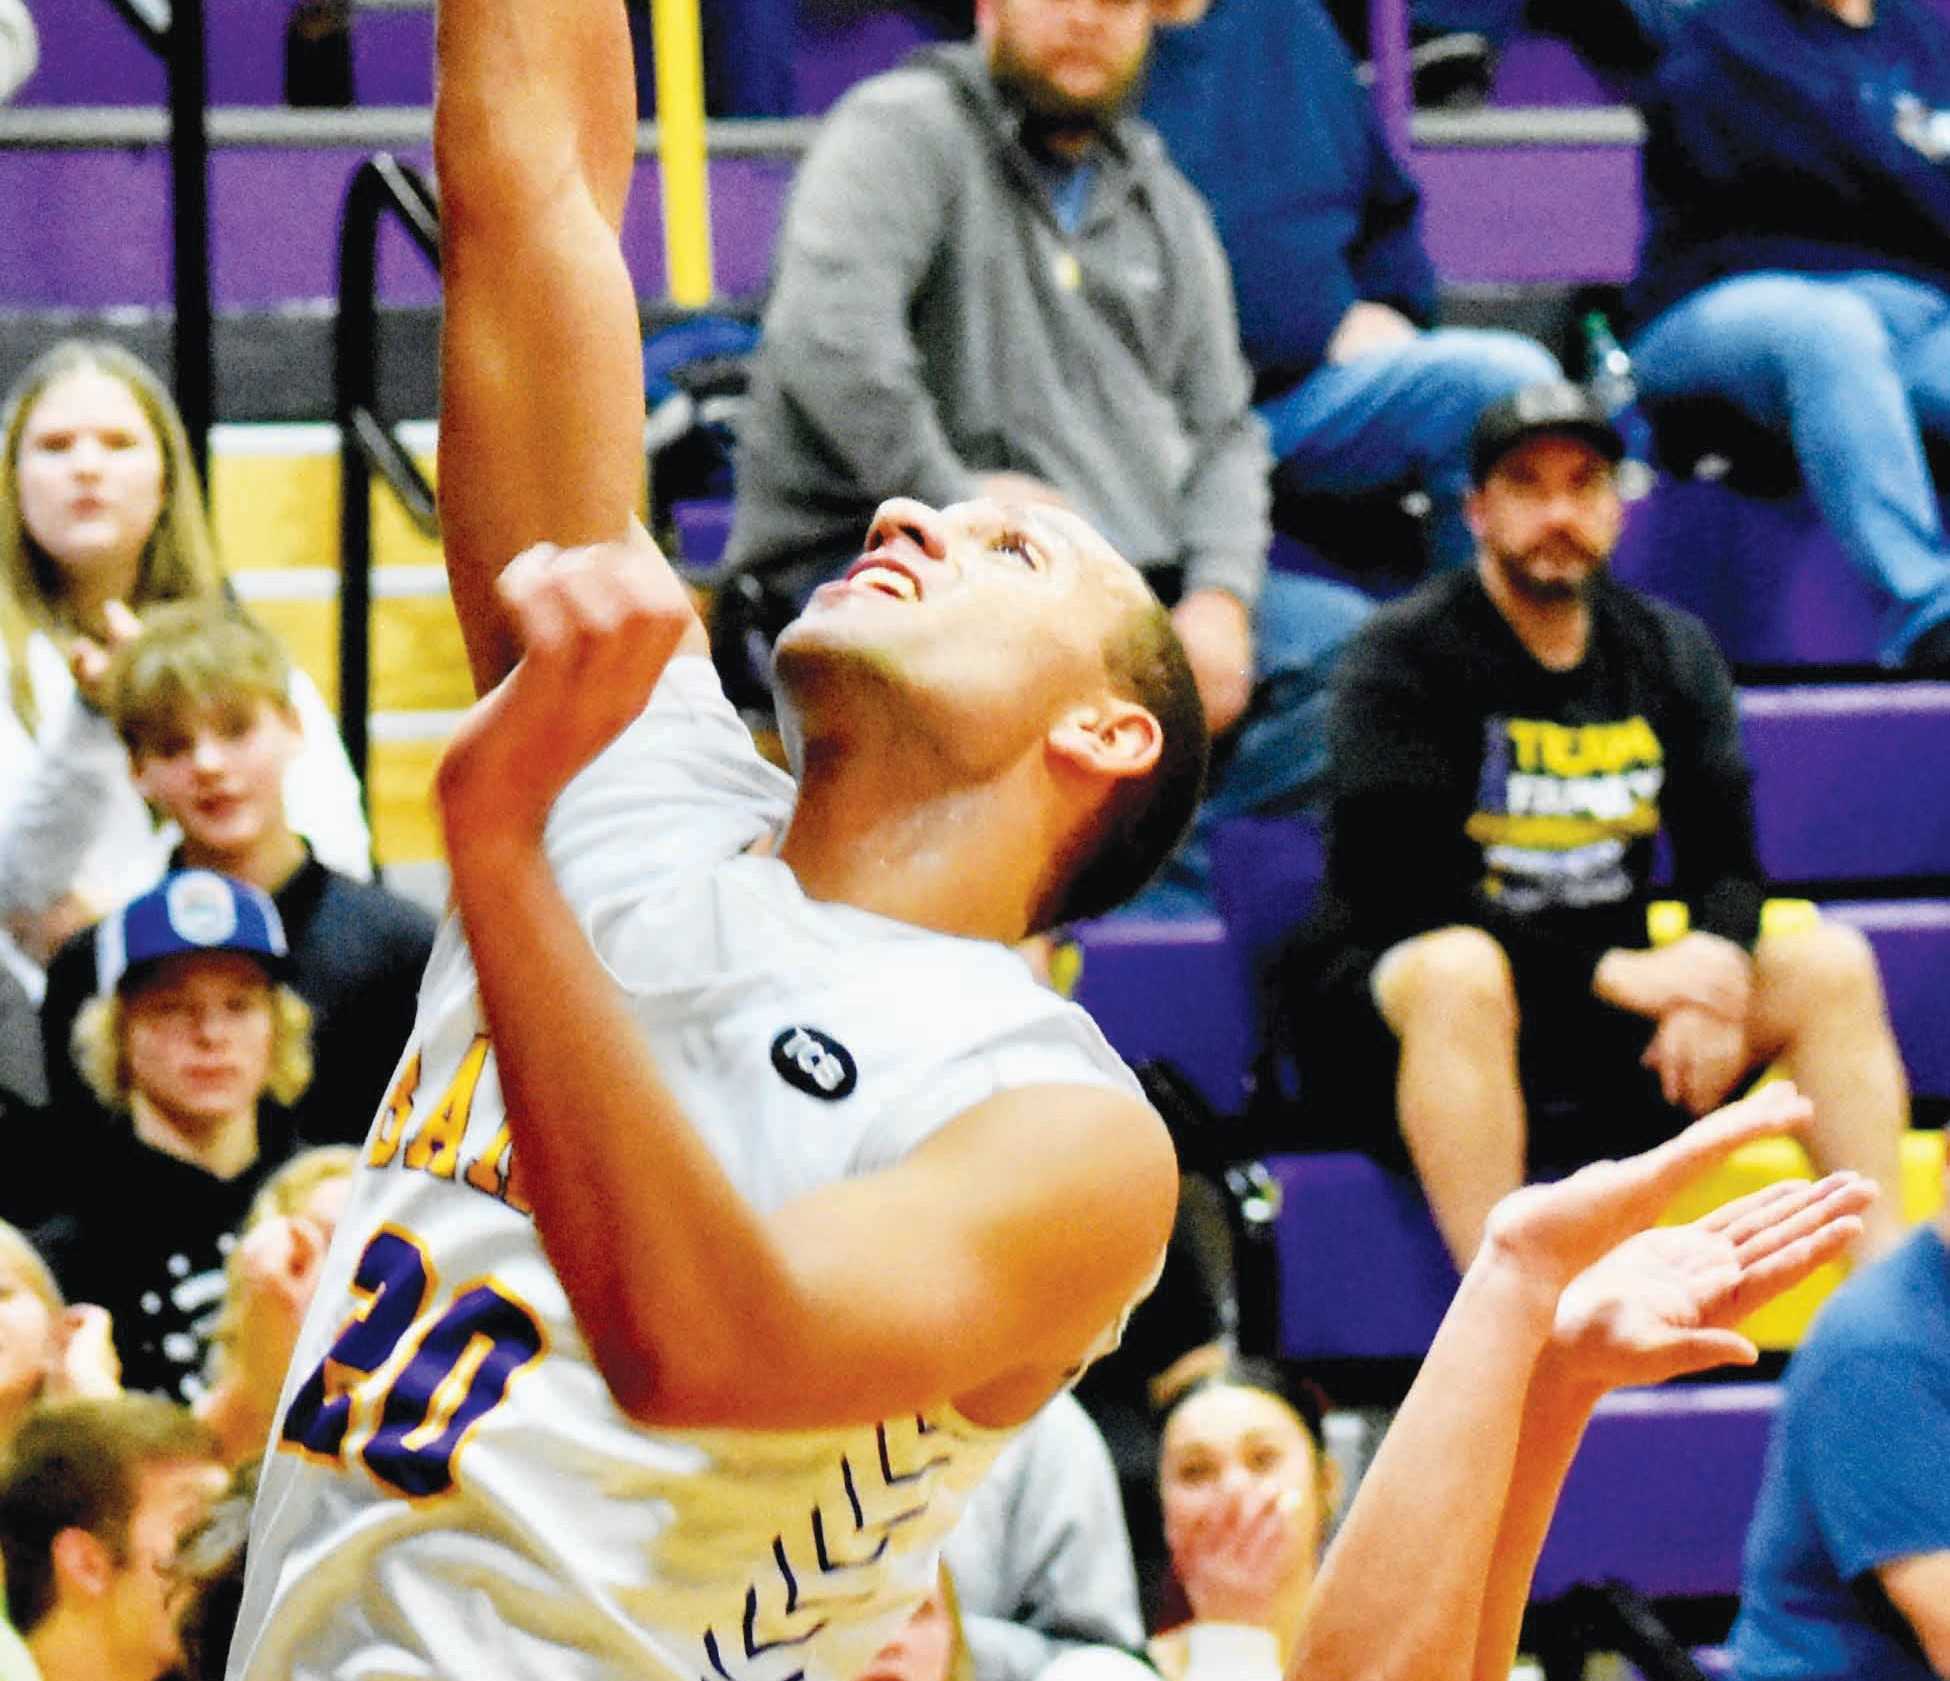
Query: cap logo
pixel 815 1063
pixel 201 907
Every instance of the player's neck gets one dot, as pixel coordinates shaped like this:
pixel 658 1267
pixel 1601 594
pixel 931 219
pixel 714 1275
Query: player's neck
pixel 69 1646
pixel 947 857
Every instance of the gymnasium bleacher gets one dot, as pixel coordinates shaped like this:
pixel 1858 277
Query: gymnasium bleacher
pixel 1531 210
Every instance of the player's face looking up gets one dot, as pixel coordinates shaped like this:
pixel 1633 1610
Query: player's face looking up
pixel 1548 517
pixel 971 618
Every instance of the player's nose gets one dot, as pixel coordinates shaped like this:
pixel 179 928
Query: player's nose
pixel 901 517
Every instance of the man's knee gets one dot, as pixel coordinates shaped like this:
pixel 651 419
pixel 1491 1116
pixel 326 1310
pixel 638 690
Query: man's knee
pixel 1828 966
pixel 1458 974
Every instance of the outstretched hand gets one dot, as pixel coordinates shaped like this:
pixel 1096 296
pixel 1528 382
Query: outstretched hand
pixel 1663 1303
pixel 596 626
pixel 1551 1233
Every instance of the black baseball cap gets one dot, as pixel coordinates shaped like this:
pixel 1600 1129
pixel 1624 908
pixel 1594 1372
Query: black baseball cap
pixel 1553 406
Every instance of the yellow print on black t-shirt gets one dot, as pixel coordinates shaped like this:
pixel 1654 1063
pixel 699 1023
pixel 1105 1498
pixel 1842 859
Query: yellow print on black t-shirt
pixel 1558 805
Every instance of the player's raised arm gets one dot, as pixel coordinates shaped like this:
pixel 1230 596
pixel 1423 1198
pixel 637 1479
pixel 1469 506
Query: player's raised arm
pixel 1569 1297
pixel 541 410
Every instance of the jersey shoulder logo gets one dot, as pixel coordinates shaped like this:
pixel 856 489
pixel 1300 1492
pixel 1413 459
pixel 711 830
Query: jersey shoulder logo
pixel 815 1063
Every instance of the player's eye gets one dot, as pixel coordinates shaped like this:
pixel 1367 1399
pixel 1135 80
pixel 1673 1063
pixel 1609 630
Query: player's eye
pixel 1016 542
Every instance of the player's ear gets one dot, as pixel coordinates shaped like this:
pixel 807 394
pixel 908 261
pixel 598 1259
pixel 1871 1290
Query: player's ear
pixel 1108 737
pixel 1473 510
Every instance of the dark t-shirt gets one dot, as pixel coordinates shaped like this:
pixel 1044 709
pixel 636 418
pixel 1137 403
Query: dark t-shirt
pixel 141 1233
pixel 1470 784
pixel 357 954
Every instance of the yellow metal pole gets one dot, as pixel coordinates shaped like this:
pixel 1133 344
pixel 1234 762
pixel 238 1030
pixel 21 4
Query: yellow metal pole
pixel 679 47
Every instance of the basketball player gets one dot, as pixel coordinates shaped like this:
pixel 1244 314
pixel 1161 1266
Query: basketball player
pixel 738 1193
pixel 733 1203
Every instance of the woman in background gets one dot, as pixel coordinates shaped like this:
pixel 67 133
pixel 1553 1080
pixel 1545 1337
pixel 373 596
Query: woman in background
pixel 102 517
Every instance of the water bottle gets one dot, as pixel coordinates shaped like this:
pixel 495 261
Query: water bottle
pixel 1608 375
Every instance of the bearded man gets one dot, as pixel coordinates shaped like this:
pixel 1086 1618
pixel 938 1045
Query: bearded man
pixel 1477 995
pixel 992 281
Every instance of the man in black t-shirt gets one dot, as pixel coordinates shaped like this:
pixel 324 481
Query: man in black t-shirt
pixel 1477 993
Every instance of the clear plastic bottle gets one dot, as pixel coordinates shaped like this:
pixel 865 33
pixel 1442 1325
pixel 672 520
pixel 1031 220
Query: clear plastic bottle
pixel 1608 376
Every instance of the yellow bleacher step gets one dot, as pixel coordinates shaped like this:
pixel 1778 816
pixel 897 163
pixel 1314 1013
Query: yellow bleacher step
pixel 1781 1323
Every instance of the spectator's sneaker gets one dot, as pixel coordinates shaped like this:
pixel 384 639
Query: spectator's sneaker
pixel 1451 69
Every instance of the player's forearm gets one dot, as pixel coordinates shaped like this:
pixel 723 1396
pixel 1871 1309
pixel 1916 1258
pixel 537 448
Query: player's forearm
pixel 532 95
pixel 1429 1507
pixel 668 1270
pixel 1556 1411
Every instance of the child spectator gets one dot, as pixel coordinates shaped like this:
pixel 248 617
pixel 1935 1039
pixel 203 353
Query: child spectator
pixel 200 1050
pixel 201 699
pixel 93 1506
pixel 101 519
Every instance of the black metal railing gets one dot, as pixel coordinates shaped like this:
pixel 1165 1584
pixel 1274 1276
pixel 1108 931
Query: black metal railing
pixel 382 187
pixel 173 29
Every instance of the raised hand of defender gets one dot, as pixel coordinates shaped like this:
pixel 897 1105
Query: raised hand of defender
pixel 1551 1233
pixel 1664 1301
pixel 597 626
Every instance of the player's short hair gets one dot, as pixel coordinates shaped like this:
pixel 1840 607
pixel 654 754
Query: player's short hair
pixel 101 1056
pixel 1146 816
pixel 192 657
pixel 76 1465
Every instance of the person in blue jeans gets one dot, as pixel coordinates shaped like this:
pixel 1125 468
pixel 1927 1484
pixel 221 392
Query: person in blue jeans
pixel 1796 262
pixel 1336 293
pixel 1847 1575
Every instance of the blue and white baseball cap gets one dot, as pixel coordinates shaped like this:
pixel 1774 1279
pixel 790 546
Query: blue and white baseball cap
pixel 189 911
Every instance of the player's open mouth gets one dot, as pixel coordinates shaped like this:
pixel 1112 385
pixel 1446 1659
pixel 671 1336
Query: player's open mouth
pixel 877 572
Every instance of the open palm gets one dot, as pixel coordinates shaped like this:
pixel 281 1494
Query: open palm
pixel 1665 1301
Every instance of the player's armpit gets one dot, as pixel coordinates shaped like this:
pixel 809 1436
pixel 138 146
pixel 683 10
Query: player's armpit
pixel 980 1270
pixel 1919 1587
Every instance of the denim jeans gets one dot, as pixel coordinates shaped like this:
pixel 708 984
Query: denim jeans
pixel 1853 368
pixel 1403 413
pixel 1273 759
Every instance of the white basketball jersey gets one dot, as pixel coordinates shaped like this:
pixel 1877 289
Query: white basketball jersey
pixel 451 1491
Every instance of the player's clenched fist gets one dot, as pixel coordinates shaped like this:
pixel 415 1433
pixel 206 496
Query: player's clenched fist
pixel 596 626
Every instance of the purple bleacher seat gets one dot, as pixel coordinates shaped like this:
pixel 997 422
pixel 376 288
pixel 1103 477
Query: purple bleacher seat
pixel 703 528
pixel 1912 946
pixel 1767 576
pixel 834 53
pixel 1662 1492
pixel 1169 990
pixel 275 218
pixel 1265 874
pixel 1363 1273
pixel 1541 70
pixel 392 57
pixel 1850 780
pixel 1528 215
pixel 91 57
